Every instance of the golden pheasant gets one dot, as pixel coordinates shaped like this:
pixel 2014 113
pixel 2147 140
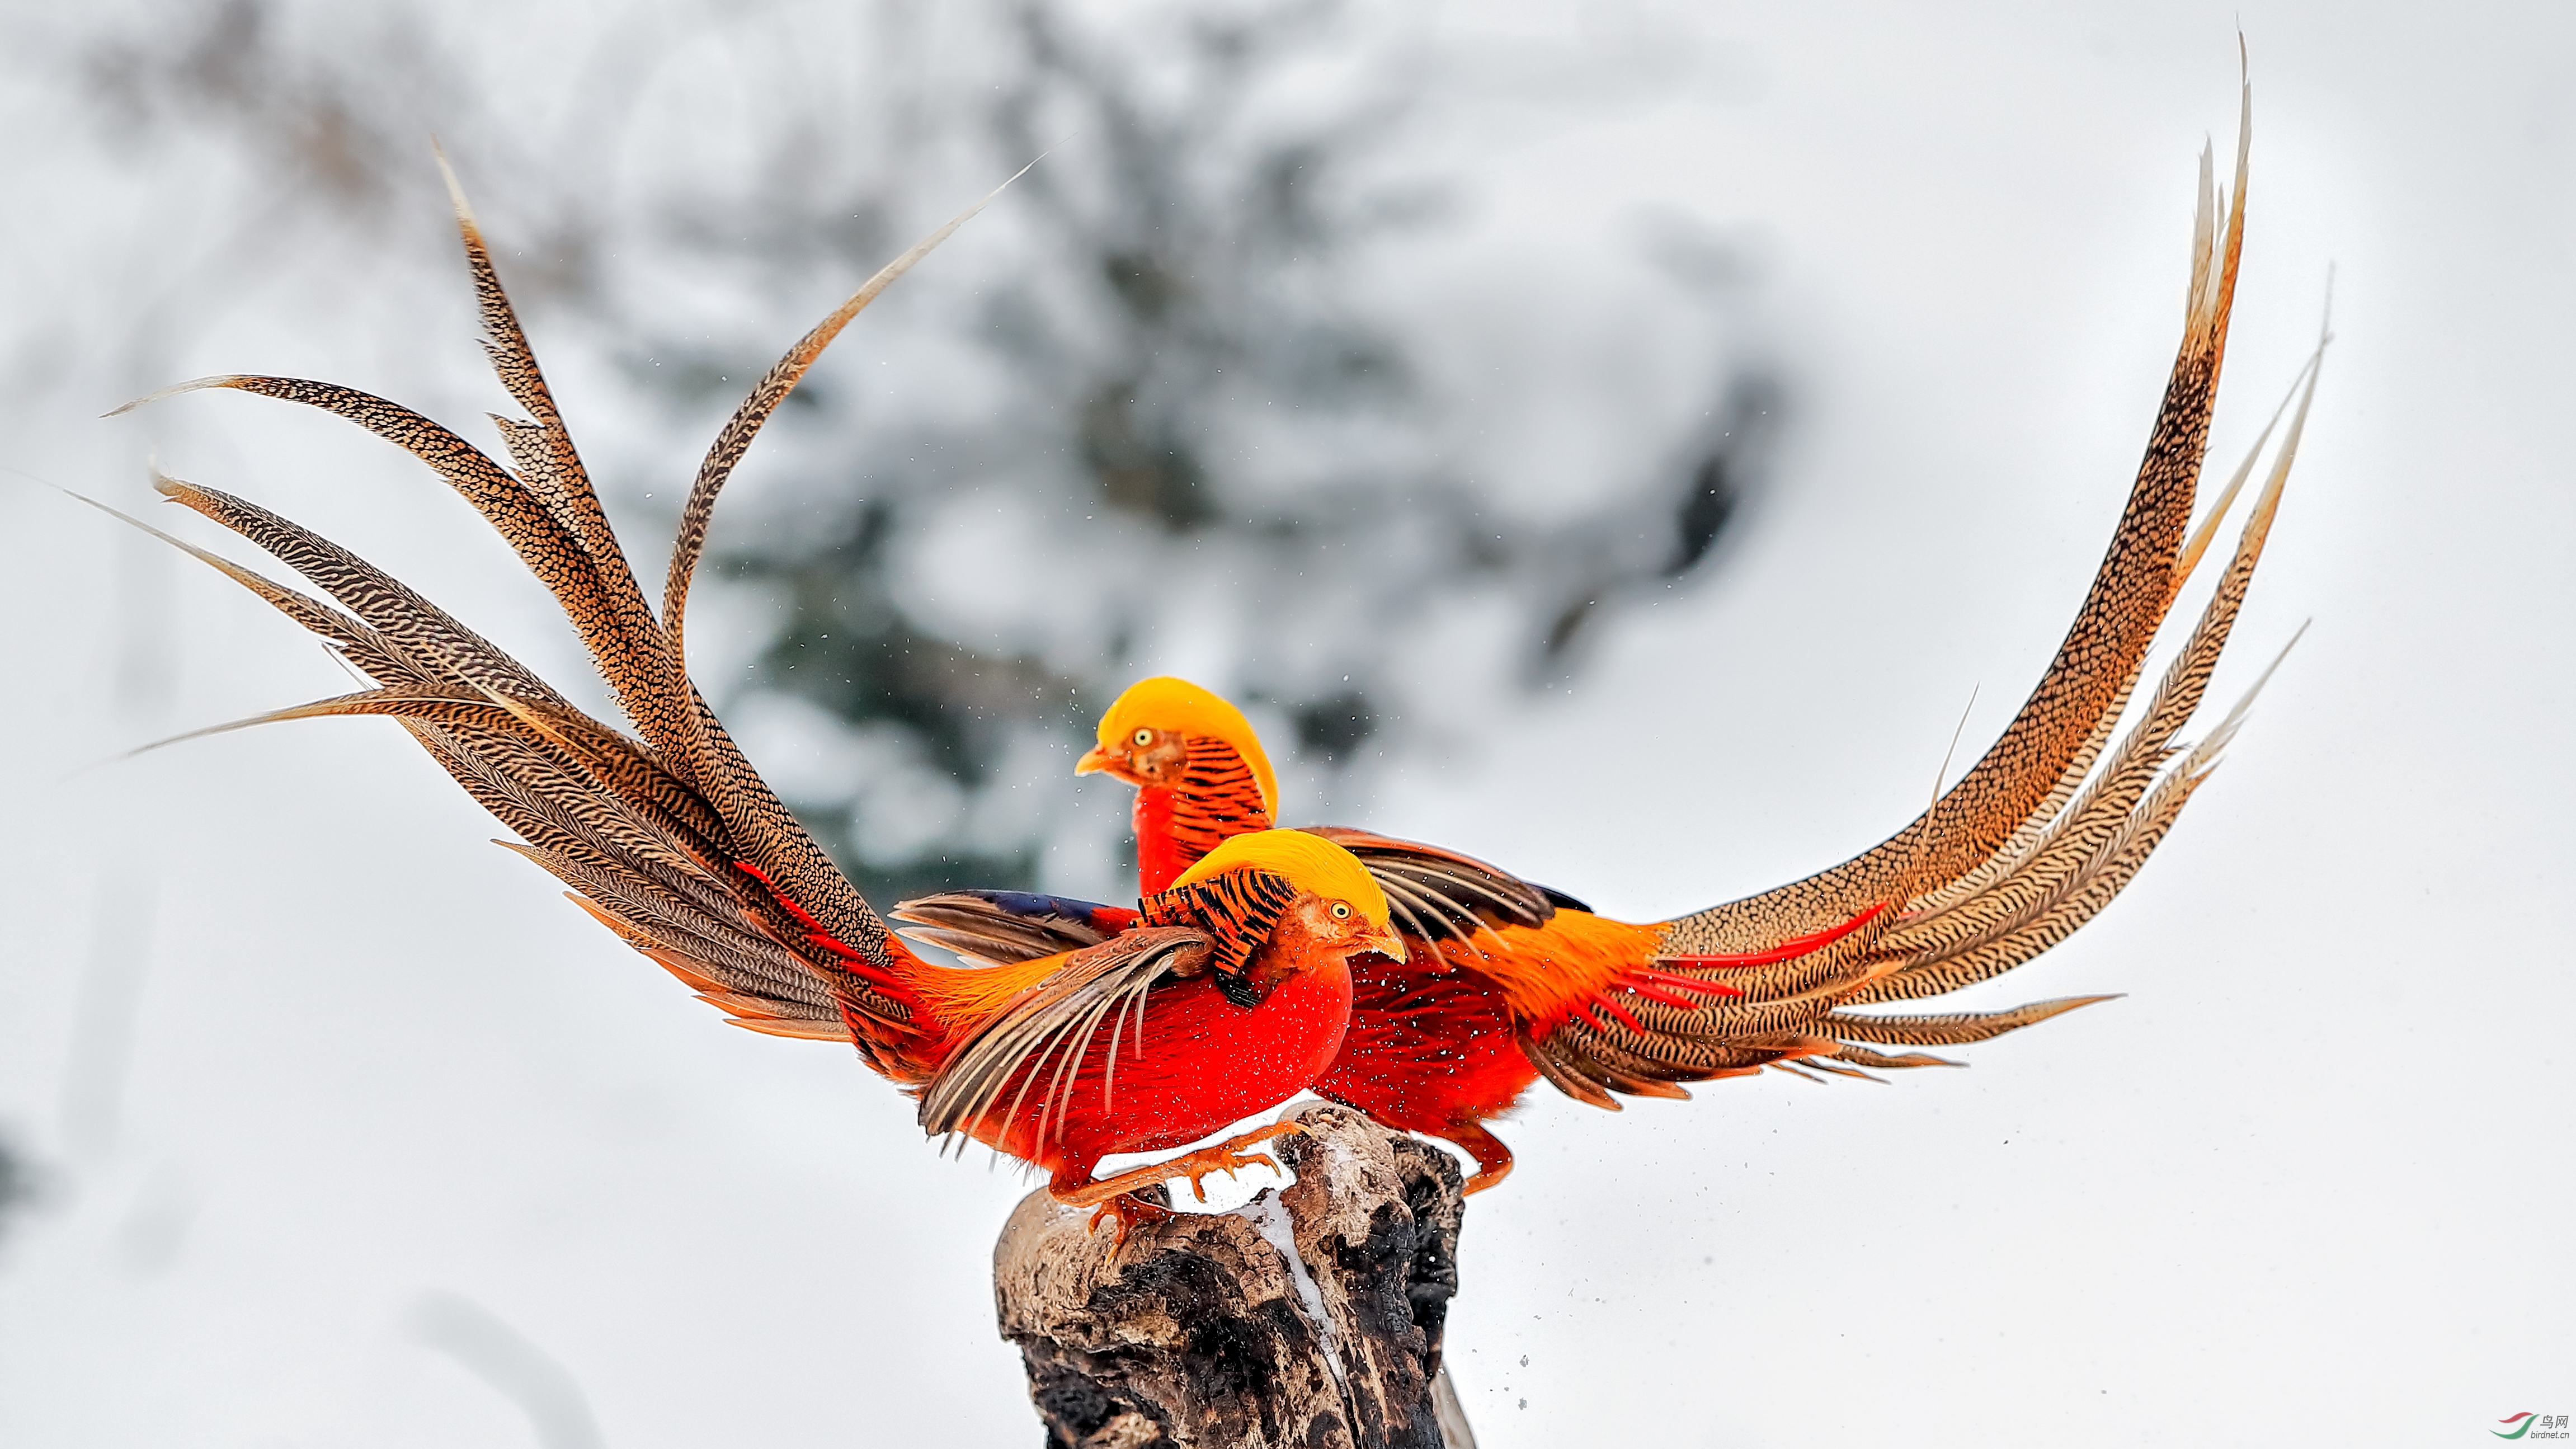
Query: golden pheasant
pixel 1229 996
pixel 1504 981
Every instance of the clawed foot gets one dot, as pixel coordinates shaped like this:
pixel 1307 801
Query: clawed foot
pixel 1127 1210
pixel 1226 1157
pixel 1115 1197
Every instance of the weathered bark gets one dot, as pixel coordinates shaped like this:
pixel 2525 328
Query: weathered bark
pixel 1309 1317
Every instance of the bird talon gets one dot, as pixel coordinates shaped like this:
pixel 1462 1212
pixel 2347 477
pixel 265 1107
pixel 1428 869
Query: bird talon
pixel 1126 1210
pixel 1223 1157
pixel 1232 1161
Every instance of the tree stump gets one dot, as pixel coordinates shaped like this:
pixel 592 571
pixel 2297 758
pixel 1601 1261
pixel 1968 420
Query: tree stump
pixel 1310 1316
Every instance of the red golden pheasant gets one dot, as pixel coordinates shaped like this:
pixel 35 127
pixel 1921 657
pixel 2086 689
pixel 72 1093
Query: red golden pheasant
pixel 1504 981
pixel 1228 997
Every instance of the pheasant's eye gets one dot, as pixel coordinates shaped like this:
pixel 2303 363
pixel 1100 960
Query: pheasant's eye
pixel 1341 910
pixel 1144 738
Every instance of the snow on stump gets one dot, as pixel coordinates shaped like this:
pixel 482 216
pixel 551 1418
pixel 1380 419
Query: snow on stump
pixel 1310 1316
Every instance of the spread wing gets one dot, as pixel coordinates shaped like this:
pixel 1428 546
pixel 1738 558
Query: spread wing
pixel 2034 840
pixel 1040 1042
pixel 645 853
pixel 673 840
pixel 2049 746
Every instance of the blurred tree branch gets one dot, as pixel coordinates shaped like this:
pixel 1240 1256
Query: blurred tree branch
pixel 19 1186
pixel 1150 419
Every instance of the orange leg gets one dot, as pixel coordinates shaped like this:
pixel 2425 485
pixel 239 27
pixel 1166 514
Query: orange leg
pixel 1126 1210
pixel 1115 1197
pixel 1493 1159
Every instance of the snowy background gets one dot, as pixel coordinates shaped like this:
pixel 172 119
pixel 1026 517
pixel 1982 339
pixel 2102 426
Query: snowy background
pixel 321 1122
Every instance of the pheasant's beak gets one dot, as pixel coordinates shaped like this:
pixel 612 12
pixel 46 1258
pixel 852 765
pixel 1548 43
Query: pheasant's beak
pixel 1388 944
pixel 1096 759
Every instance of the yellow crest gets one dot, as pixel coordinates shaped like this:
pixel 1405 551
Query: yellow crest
pixel 1309 862
pixel 1180 707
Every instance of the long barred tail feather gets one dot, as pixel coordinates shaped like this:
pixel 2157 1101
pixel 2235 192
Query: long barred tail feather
pixel 673 840
pixel 675 843
pixel 2042 833
pixel 2079 768
pixel 2130 594
pixel 735 438
pixel 769 832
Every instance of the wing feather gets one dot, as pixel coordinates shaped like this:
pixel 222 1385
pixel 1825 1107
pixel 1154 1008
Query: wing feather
pixel 1055 1020
pixel 1462 891
pixel 983 927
